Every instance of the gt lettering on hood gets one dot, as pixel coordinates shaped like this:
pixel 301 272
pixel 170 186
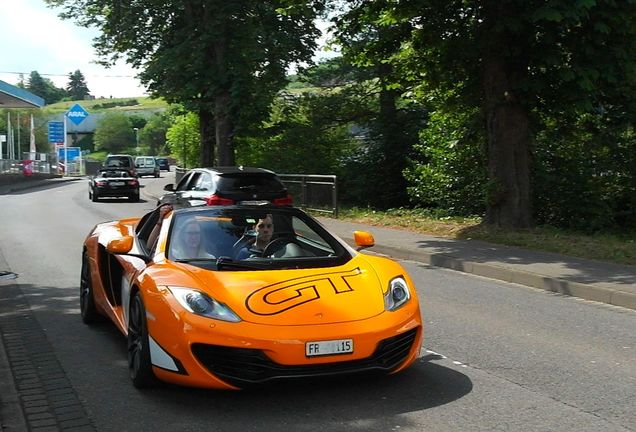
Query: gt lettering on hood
pixel 282 296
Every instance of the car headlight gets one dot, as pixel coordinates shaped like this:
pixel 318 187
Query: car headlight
pixel 397 295
pixel 200 303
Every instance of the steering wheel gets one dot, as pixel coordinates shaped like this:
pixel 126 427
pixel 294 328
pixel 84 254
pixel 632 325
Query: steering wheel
pixel 275 244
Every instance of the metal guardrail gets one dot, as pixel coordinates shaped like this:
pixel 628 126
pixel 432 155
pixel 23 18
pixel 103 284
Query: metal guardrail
pixel 318 193
pixel 14 166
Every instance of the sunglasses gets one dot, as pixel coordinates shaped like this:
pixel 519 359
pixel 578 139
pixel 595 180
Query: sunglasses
pixel 193 232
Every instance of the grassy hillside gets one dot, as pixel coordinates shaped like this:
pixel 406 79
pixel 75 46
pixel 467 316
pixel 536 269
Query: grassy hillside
pixel 109 104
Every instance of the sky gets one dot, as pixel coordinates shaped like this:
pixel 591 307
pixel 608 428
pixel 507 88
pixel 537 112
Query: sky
pixel 34 38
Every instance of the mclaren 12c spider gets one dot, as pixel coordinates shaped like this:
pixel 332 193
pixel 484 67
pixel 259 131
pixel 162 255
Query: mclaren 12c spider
pixel 231 296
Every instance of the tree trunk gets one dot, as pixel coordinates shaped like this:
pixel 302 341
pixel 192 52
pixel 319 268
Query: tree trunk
pixel 224 130
pixel 208 139
pixel 393 144
pixel 508 150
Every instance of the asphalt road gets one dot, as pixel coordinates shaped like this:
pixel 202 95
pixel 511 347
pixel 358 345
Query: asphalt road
pixel 496 356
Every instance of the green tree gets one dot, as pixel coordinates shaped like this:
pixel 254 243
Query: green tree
pixel 301 136
pixel 114 133
pixel 76 87
pixel 370 42
pixel 513 59
pixel 184 139
pixel 153 135
pixel 223 60
pixel 44 88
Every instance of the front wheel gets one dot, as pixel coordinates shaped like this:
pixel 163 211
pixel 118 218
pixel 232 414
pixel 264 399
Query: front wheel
pixel 139 364
pixel 87 300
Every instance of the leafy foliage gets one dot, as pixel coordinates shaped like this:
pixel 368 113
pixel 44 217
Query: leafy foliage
pixel 153 135
pixel 114 133
pixel 448 171
pixel 586 173
pixel 224 60
pixel 183 140
pixel 44 88
pixel 301 136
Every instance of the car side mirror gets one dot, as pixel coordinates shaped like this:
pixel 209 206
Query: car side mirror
pixel 169 187
pixel 121 245
pixel 363 240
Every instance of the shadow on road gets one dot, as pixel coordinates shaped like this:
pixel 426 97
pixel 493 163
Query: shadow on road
pixel 361 402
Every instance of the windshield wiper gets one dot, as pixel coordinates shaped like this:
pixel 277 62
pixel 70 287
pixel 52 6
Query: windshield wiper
pixel 189 260
pixel 228 262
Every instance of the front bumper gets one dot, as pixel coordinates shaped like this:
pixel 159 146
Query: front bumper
pixel 215 354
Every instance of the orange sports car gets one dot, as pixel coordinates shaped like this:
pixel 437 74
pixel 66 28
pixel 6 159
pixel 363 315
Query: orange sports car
pixel 227 297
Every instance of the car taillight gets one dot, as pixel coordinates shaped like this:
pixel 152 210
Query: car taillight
pixel 287 201
pixel 100 183
pixel 133 182
pixel 217 200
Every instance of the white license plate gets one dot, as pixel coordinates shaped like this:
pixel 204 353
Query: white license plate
pixel 255 202
pixel 117 183
pixel 332 347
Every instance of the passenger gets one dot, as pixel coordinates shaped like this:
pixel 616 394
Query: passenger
pixel 190 243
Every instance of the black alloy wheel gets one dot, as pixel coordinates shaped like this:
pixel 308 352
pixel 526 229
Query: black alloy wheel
pixel 87 301
pixel 139 364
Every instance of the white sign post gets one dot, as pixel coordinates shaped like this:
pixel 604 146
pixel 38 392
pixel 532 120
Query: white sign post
pixel 3 138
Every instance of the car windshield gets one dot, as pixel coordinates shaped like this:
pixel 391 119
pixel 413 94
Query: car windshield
pixel 252 238
pixel 118 162
pixel 249 182
pixel 145 161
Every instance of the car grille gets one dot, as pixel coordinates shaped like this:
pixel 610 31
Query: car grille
pixel 244 366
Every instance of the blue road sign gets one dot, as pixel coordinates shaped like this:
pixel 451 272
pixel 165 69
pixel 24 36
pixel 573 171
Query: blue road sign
pixel 56 132
pixel 72 153
pixel 77 114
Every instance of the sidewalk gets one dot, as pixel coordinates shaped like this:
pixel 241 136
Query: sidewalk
pixel 592 280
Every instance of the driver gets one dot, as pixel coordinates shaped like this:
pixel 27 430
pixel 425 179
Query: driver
pixel 264 229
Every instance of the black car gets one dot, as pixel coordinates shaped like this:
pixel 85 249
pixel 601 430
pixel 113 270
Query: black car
pixel 111 182
pixel 227 186
pixel 164 164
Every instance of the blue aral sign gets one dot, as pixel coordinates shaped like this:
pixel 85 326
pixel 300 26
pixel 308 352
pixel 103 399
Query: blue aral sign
pixel 77 114
pixel 56 132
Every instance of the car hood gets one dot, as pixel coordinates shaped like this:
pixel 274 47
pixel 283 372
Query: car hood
pixel 346 293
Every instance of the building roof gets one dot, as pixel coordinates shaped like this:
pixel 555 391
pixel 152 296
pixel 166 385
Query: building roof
pixel 15 97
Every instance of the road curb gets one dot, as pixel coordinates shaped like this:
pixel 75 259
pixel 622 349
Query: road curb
pixel 33 184
pixel 547 283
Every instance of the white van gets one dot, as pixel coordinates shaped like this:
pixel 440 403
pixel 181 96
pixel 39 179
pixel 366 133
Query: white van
pixel 146 165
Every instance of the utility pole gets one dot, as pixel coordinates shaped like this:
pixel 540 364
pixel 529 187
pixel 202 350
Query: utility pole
pixel 183 136
pixel 137 140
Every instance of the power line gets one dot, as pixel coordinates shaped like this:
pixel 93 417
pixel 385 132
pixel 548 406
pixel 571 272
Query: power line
pixel 66 74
